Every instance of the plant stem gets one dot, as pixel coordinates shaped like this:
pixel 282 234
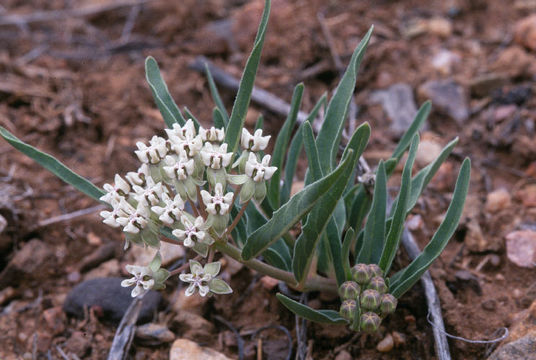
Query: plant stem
pixel 317 283
pixel 201 204
pixel 236 219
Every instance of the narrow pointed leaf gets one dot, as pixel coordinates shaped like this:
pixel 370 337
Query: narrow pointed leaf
pixel 413 129
pixel 334 246
pixel 54 166
pixel 240 107
pixel 289 214
pixel 170 111
pixel 281 145
pixel 216 96
pixel 399 214
pixel 217 119
pixel 319 217
pixel 360 208
pixel 319 316
pixel 330 134
pixel 375 226
pixel 345 252
pixel 314 168
pixel 406 278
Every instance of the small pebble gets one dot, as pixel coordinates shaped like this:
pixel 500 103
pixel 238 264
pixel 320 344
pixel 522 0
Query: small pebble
pixel 498 200
pixel 398 338
pixel 489 305
pixel 269 283
pixel 344 355
pixel 386 344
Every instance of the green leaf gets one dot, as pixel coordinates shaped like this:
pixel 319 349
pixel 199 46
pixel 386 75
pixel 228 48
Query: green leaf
pixel 240 107
pixel 413 129
pixel 280 147
pixel 154 265
pixel 319 316
pixel 216 97
pixel 360 207
pixel 330 134
pixel 170 111
pixel 314 167
pixel 334 247
pixel 273 258
pixel 212 268
pixel 53 165
pixel 289 214
pixel 345 252
pixel 319 217
pixel 191 116
pixel 217 119
pixel 220 287
pixel 259 124
pixel 294 152
pixel 406 278
pixel 375 226
pixel 399 214
pixel 423 177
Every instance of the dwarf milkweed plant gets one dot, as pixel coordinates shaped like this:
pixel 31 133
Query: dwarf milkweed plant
pixel 215 191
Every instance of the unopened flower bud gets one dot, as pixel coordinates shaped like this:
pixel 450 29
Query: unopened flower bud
pixel 375 270
pixel 388 304
pixel 361 274
pixel 370 299
pixel 348 309
pixel 378 283
pixel 349 290
pixel 370 322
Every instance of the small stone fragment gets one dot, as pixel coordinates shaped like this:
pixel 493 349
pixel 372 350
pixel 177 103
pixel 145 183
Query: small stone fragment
pixel 522 349
pixel 399 338
pixel 498 200
pixel 269 283
pixel 153 334
pixel 110 298
pixel 514 61
pixel 489 305
pixel 476 241
pixel 79 343
pixel 399 105
pixel 55 320
pixel 106 269
pixel 525 32
pixel 444 61
pixel 528 195
pixel 183 349
pixel 344 355
pixel 521 248
pixel 33 261
pixel 448 97
pixel 192 326
pixel 7 294
pixel 386 344
pixel 484 85
pixel 427 152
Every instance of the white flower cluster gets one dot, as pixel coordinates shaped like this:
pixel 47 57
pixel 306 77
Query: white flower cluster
pixel 182 184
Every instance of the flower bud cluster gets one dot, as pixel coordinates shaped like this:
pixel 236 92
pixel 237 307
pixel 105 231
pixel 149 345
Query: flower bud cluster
pixel 183 184
pixel 365 298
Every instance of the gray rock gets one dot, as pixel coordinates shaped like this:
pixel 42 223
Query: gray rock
pixel 399 105
pixel 448 97
pixel 34 261
pixel 153 334
pixel 522 349
pixel 110 299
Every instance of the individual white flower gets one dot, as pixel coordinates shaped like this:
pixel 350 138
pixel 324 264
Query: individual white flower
pixel 134 219
pixel 218 204
pixel 172 210
pixel 151 194
pixel 200 277
pixel 179 169
pixel 142 280
pixel 255 142
pixel 110 217
pixel 259 171
pixel 216 157
pixel 153 153
pixel 114 193
pixel 193 232
pixel 182 132
pixel 212 134
pixel 139 177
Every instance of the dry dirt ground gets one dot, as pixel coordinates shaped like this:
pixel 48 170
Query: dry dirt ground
pixel 73 85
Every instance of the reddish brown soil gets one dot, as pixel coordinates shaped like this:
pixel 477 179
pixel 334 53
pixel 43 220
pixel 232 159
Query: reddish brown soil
pixel 84 99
